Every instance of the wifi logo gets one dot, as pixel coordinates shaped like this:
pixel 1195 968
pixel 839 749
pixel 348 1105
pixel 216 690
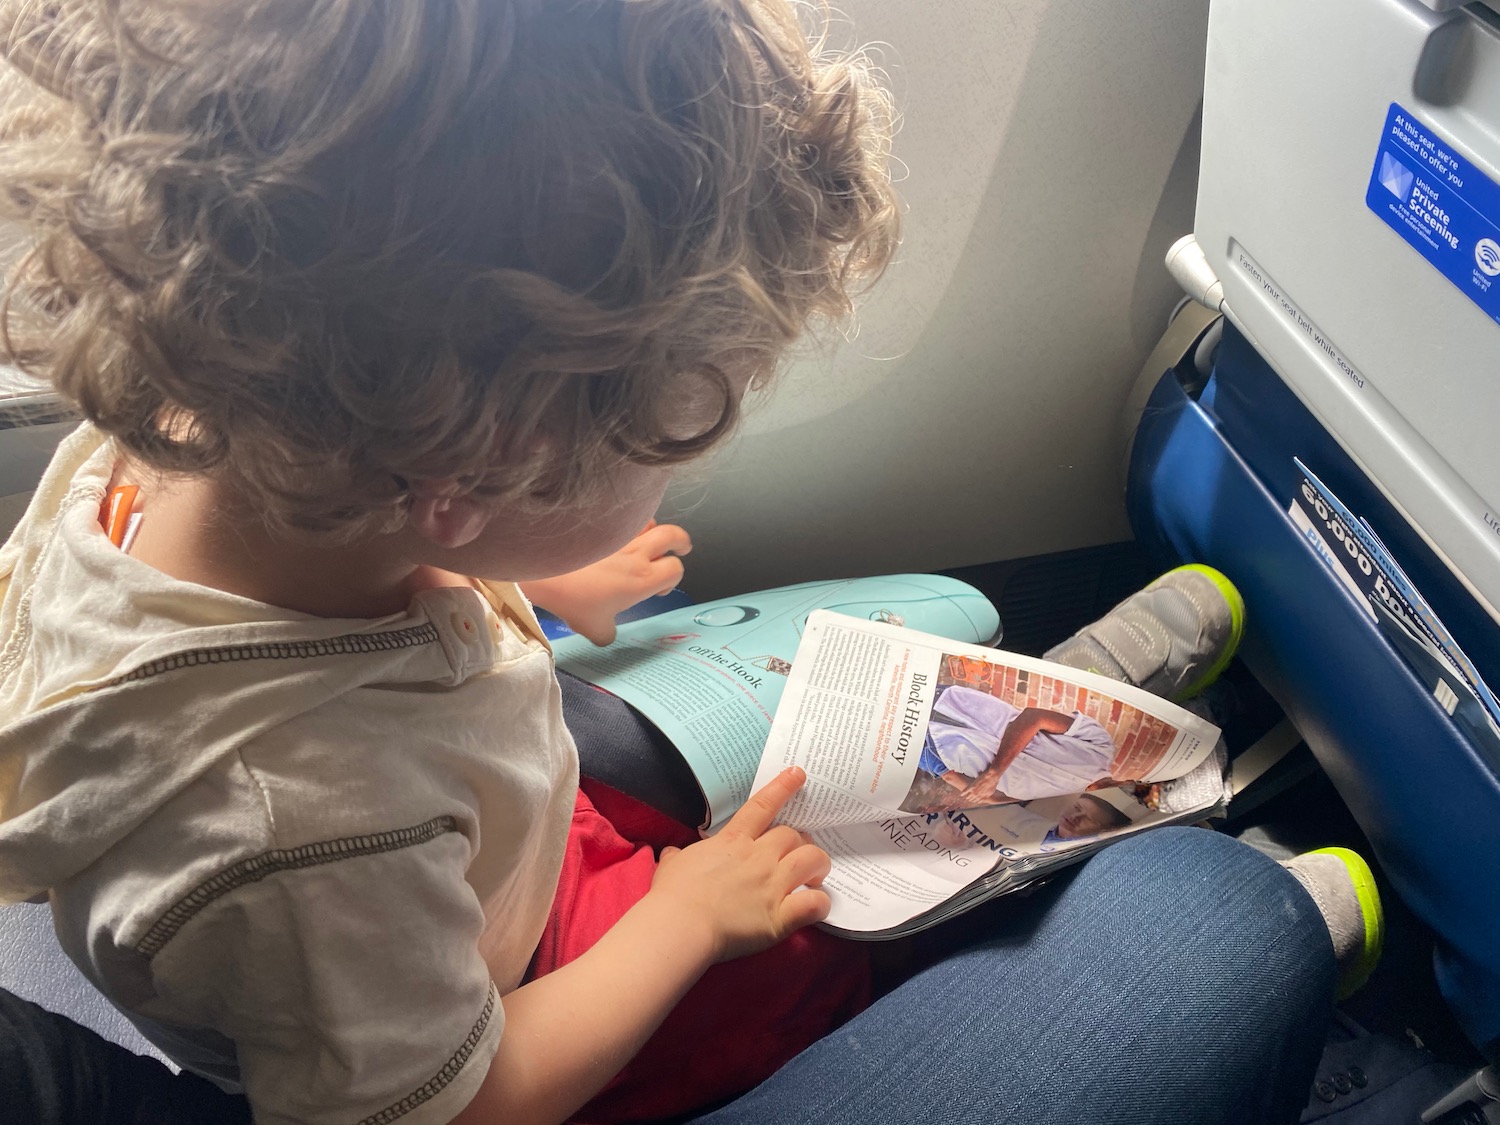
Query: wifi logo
pixel 1487 255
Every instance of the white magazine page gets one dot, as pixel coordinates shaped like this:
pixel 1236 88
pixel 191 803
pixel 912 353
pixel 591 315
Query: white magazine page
pixel 887 873
pixel 887 720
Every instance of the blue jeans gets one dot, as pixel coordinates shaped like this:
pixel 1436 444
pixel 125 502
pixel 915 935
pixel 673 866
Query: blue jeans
pixel 1179 976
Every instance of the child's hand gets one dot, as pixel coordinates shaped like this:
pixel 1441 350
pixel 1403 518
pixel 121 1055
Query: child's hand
pixel 589 599
pixel 751 884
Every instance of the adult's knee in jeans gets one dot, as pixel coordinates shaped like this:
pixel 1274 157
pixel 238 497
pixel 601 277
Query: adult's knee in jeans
pixel 1199 874
pixel 1180 863
pixel 1228 892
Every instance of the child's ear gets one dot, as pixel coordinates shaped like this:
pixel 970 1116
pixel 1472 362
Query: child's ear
pixel 446 520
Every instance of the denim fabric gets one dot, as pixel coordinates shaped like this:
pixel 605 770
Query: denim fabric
pixel 1179 977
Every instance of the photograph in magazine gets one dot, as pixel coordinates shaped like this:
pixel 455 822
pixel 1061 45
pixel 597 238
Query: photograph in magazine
pixel 1027 828
pixel 999 734
pixel 887 720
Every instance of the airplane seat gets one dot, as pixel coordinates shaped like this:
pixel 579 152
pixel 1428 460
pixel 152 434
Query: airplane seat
pixel 1348 230
pixel 34 967
pixel 1049 155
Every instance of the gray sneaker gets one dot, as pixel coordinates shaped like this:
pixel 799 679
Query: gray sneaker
pixel 1173 638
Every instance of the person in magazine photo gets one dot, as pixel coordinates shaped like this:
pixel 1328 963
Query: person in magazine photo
pixel 1047 825
pixel 990 750
pixel 997 737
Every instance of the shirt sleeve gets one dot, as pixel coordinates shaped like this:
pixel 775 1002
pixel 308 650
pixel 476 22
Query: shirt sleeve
pixel 347 974
pixel 1092 733
pixel 977 709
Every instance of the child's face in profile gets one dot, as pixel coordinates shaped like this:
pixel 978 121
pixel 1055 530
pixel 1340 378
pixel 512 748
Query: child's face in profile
pixel 520 545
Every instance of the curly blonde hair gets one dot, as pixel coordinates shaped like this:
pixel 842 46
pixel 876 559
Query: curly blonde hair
pixel 323 248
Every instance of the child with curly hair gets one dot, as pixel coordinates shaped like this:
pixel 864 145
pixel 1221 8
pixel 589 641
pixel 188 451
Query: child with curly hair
pixel 382 314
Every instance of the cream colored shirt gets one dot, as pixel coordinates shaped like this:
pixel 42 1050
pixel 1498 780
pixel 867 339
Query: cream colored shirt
pixel 304 855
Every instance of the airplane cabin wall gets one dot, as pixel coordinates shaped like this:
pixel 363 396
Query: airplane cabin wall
pixel 1050 158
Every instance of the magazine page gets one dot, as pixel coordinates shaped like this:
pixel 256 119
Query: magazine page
pixel 887 874
pixel 710 677
pixel 887 720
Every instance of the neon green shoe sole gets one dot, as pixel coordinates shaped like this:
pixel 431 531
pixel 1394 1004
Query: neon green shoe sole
pixel 1354 973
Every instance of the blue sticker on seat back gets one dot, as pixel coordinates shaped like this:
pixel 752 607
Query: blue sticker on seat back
pixel 1447 209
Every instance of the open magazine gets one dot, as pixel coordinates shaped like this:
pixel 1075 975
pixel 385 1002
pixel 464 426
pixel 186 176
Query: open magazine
pixel 940 772
pixel 710 676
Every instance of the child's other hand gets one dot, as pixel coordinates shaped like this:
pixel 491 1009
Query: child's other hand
pixel 589 599
pixel 751 884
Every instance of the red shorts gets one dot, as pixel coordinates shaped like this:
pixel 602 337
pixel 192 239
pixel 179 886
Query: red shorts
pixel 740 1022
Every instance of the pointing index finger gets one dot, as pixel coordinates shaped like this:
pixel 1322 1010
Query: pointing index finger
pixel 760 811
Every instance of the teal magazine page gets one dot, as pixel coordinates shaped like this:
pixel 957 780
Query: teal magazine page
pixel 710 676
